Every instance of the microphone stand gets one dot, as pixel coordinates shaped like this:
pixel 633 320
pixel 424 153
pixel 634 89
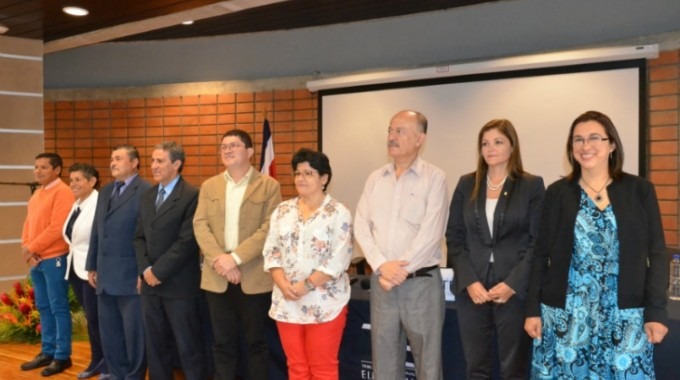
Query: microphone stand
pixel 32 185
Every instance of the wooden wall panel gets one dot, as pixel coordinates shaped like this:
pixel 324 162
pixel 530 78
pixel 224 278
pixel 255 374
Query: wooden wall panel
pixel 21 115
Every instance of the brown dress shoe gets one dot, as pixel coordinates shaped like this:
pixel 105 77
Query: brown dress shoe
pixel 57 366
pixel 40 360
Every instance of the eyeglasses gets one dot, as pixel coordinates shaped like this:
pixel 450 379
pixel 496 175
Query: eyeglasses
pixel 579 141
pixel 232 146
pixel 305 173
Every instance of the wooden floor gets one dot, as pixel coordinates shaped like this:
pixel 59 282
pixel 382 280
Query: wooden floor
pixel 12 355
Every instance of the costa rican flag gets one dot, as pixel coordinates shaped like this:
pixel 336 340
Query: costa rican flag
pixel 267 165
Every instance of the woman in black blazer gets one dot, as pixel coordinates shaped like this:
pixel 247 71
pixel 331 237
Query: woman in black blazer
pixel 597 296
pixel 493 223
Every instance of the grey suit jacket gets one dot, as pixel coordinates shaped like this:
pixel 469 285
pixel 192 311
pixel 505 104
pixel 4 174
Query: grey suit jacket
pixel 112 253
pixel 165 241
pixel 515 226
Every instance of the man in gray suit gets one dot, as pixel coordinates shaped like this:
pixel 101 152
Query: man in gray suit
pixel 168 261
pixel 112 266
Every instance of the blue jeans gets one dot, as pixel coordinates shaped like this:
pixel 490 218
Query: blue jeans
pixel 51 299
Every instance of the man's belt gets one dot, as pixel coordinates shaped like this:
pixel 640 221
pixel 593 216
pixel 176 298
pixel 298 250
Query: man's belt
pixel 422 272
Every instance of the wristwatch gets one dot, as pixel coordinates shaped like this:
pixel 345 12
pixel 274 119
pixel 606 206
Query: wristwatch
pixel 309 285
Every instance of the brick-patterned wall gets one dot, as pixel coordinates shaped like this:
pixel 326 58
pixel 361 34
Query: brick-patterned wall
pixel 87 130
pixel 664 145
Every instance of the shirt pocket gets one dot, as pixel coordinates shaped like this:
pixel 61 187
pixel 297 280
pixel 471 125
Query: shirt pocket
pixel 413 209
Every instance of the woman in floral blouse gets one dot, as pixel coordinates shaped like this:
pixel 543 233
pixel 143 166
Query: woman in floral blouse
pixel 307 252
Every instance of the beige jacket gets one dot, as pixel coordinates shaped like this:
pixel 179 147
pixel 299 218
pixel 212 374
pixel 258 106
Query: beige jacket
pixel 259 201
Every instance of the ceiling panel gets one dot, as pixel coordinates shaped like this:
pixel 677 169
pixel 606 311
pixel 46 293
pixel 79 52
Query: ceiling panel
pixel 44 19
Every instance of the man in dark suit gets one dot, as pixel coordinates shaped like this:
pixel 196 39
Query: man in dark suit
pixel 112 266
pixel 168 261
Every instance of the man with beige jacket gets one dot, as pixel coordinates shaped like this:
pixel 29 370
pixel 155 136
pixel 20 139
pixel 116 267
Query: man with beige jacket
pixel 231 224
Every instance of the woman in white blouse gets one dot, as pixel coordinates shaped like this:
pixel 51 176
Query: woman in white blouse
pixel 77 229
pixel 307 252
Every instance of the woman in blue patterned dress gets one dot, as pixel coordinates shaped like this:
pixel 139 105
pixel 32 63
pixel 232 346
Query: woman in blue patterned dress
pixel 597 296
pixel 307 252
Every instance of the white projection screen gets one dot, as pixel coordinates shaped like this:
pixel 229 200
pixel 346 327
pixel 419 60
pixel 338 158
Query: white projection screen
pixel 541 103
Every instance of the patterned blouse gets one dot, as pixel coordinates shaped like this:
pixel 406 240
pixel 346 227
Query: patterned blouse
pixel 323 243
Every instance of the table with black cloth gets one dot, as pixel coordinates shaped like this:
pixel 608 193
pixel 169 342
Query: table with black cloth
pixel 355 350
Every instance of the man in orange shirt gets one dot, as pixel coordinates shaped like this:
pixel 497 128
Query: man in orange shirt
pixel 44 249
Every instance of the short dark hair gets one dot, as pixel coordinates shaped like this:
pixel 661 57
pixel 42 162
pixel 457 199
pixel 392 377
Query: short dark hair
pixel 88 171
pixel 176 152
pixel 615 157
pixel 132 152
pixel 242 135
pixel 55 159
pixel 317 160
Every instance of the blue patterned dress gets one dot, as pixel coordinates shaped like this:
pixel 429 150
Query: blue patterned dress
pixel 592 338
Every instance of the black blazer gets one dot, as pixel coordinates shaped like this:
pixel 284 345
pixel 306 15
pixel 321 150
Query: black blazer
pixel 165 241
pixel 643 266
pixel 515 222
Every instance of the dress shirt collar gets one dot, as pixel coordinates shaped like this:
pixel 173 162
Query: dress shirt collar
pixel 416 168
pixel 169 187
pixel 126 183
pixel 52 184
pixel 245 178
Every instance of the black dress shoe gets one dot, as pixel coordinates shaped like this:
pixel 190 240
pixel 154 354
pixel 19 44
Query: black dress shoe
pixel 92 370
pixel 57 366
pixel 40 360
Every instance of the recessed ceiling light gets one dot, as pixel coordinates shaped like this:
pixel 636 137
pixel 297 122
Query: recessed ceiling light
pixel 187 22
pixel 76 11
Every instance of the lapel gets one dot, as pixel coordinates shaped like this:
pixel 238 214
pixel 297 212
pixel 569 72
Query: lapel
pixel 129 192
pixel 169 202
pixel 498 215
pixel 480 216
pixel 252 184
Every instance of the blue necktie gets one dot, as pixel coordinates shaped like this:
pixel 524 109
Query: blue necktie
pixel 160 199
pixel 116 193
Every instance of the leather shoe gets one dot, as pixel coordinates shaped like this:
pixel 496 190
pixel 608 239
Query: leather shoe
pixel 92 370
pixel 57 366
pixel 38 361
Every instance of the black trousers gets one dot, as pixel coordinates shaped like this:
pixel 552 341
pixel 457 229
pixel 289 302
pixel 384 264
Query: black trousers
pixel 179 318
pixel 236 315
pixel 87 297
pixel 479 324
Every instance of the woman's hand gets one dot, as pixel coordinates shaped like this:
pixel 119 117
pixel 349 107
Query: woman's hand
pixel 289 291
pixel 478 293
pixel 655 332
pixel 533 326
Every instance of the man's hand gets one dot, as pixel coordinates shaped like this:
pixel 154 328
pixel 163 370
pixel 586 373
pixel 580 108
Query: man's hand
pixel 478 293
pixel 385 284
pixel 92 278
pixel 26 254
pixel 393 272
pixel 501 293
pixel 151 278
pixel 223 264
pixel 234 276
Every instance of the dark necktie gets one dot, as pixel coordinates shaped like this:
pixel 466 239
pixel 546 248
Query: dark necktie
pixel 160 199
pixel 116 193
pixel 71 222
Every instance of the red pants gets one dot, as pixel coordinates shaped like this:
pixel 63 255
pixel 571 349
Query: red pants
pixel 312 349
